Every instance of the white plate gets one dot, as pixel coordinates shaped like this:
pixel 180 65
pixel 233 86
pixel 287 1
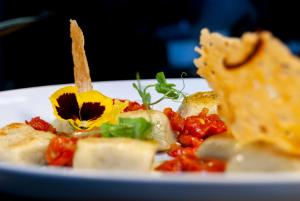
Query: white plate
pixel 64 183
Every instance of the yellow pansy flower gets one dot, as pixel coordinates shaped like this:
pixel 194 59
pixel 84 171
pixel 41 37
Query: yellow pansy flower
pixel 85 110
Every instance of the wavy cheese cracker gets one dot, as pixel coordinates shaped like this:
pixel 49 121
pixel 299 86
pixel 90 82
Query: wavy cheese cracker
pixel 257 80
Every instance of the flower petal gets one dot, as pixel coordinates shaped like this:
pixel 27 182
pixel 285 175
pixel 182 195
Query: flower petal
pixel 68 106
pixel 118 107
pixel 91 111
pixel 65 104
pixel 97 105
pixel 85 110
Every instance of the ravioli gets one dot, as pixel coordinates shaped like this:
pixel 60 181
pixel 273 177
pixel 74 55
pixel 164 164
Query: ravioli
pixel 114 154
pixel 193 104
pixel 21 144
pixel 161 133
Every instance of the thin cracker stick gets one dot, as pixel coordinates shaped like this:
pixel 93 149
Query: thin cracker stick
pixel 81 67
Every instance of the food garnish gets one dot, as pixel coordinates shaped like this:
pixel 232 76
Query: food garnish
pixel 81 68
pixel 137 128
pixel 161 131
pixel 257 81
pixel 81 106
pixel 162 86
pixel 85 110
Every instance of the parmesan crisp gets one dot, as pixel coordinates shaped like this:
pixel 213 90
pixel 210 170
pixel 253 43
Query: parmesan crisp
pixel 257 80
pixel 81 68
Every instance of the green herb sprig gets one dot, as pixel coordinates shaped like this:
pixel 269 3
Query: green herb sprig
pixel 137 128
pixel 162 86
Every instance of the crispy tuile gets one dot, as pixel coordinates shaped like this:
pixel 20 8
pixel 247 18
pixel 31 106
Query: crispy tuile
pixel 81 67
pixel 257 80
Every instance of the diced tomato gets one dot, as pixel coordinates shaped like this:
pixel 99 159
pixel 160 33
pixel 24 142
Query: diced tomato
pixel 178 150
pixel 39 124
pixel 192 164
pixel 203 112
pixel 189 140
pixel 199 126
pixel 60 151
pixel 133 106
pixel 170 166
pixel 195 126
pixel 203 127
pixel 176 121
pixel 216 125
pixel 191 132
pixel 213 165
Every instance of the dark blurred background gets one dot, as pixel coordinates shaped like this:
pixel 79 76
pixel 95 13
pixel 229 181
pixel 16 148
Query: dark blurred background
pixel 123 36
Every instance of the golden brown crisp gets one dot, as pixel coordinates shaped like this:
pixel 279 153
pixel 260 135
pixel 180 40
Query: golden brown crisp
pixel 257 80
pixel 81 67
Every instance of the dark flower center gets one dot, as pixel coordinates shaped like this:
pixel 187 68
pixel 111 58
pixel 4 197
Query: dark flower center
pixel 91 111
pixel 68 108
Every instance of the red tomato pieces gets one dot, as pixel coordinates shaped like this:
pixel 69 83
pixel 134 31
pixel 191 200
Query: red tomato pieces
pixel 188 163
pixel 177 150
pixel 199 126
pixel 39 124
pixel 176 121
pixel 60 151
pixel 189 140
pixel 204 125
pixel 170 166
pixel 191 132
pixel 133 106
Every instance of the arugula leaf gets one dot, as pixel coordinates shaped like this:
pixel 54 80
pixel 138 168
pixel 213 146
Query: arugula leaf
pixel 137 128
